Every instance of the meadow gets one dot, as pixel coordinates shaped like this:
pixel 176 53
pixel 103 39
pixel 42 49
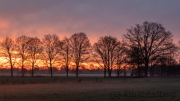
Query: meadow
pixel 89 89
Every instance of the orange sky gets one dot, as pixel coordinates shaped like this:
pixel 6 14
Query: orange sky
pixel 95 18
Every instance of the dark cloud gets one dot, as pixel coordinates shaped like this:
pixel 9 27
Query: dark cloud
pixel 94 17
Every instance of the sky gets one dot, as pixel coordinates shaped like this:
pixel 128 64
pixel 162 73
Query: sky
pixel 96 18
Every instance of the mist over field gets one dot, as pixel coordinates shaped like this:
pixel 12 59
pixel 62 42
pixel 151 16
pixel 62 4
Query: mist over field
pixel 61 73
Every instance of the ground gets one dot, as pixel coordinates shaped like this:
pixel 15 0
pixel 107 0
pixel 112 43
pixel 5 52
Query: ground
pixel 89 89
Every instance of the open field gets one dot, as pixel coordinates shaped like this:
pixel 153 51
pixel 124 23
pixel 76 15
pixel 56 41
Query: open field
pixel 89 89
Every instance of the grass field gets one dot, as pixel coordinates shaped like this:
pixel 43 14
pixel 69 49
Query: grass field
pixel 89 89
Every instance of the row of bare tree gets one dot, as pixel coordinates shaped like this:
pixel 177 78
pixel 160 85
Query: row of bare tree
pixel 142 45
pixel 51 49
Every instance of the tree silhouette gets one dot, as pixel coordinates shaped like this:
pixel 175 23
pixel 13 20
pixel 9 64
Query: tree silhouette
pixel 134 57
pixel 121 56
pixel 106 49
pixel 7 46
pixel 152 40
pixel 81 46
pixel 167 60
pixel 34 50
pixel 22 50
pixel 146 49
pixel 52 46
pixel 66 53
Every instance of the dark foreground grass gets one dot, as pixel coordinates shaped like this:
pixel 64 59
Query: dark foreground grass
pixel 90 89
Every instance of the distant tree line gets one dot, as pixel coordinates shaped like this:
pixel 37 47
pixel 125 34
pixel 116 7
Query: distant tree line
pixel 145 50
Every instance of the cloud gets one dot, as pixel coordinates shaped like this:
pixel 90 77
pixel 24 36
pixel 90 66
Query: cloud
pixel 96 18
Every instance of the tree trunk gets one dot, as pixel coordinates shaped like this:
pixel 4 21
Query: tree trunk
pixel 77 68
pixel 11 71
pixel 32 74
pixel 67 69
pixel 104 71
pixel 109 71
pixel 139 72
pixel 22 65
pixel 22 68
pixel 11 68
pixel 124 74
pixel 67 61
pixel 118 71
pixel 146 68
pixel 51 69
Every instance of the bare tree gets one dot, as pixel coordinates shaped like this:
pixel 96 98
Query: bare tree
pixel 7 46
pixel 66 53
pixel 22 50
pixel 99 56
pixel 167 60
pixel 134 58
pixel 121 56
pixel 51 49
pixel 81 46
pixel 34 51
pixel 152 40
pixel 106 48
